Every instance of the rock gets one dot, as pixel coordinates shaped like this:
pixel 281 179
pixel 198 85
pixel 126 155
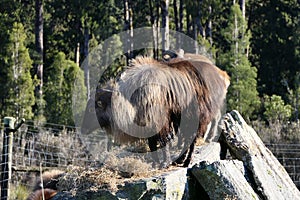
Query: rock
pixel 224 179
pixel 268 176
pixel 209 152
pixel 170 185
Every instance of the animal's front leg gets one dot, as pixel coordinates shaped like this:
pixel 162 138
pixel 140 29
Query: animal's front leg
pixel 152 142
pixel 166 156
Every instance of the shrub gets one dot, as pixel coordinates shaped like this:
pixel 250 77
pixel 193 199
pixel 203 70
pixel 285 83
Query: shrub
pixel 276 109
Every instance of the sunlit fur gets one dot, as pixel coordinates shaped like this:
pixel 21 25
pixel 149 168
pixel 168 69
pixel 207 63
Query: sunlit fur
pixel 217 82
pixel 148 92
pixel 151 94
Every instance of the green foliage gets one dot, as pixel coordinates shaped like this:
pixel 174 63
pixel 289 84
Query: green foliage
pixel 59 90
pixel 276 109
pixel 18 84
pixel 206 48
pixel 242 92
pixel 275 29
pixel 293 96
pixel 274 48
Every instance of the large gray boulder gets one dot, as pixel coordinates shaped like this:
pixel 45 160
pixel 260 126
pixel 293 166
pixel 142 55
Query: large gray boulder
pixel 224 179
pixel 267 176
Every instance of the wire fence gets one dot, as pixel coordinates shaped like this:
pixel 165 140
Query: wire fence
pixel 289 156
pixel 46 147
pixel 51 148
pixel 54 146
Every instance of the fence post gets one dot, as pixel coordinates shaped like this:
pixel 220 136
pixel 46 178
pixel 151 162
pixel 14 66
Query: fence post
pixel 9 124
pixel 7 147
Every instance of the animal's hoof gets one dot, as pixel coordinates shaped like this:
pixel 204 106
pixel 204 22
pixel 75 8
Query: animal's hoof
pixel 164 165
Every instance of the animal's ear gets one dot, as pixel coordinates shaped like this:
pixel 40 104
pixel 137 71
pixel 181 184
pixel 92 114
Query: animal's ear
pixel 168 55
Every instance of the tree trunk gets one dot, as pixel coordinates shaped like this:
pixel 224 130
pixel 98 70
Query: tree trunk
pixel 188 23
pixel 180 23
pixel 39 45
pixel 153 20
pixel 209 26
pixel 176 15
pixel 131 30
pixel 180 15
pixel 198 28
pixel 198 20
pixel 235 36
pixel 77 54
pixel 128 27
pixel 195 36
pixel 165 24
pixel 86 52
pixel 243 8
pixel 157 25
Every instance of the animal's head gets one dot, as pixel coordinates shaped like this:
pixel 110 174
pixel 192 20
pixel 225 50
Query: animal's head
pixel 103 107
pixel 97 112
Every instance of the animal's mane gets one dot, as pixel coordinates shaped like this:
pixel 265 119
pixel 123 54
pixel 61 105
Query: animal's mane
pixel 142 60
pixel 197 57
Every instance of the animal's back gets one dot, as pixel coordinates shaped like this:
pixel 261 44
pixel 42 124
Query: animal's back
pixel 147 92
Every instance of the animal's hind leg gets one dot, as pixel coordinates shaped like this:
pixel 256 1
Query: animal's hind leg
pixel 185 158
pixel 224 147
pixel 189 156
pixel 181 159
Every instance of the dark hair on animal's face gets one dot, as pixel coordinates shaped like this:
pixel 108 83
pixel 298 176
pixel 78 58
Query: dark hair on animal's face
pixel 103 107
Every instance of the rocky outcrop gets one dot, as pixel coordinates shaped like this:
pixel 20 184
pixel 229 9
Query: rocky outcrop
pixel 264 172
pixel 254 173
pixel 224 179
pixel 169 185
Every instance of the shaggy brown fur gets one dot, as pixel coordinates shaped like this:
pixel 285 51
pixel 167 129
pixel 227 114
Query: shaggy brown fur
pixel 49 190
pixel 217 87
pixel 149 99
pixel 217 84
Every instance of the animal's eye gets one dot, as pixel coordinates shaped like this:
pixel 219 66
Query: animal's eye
pixel 99 104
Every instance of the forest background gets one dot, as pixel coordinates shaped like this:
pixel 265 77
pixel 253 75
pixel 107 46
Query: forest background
pixel 44 42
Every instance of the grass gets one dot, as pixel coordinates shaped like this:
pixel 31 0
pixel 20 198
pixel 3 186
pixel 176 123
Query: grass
pixel 110 176
pixel 278 131
pixel 19 192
